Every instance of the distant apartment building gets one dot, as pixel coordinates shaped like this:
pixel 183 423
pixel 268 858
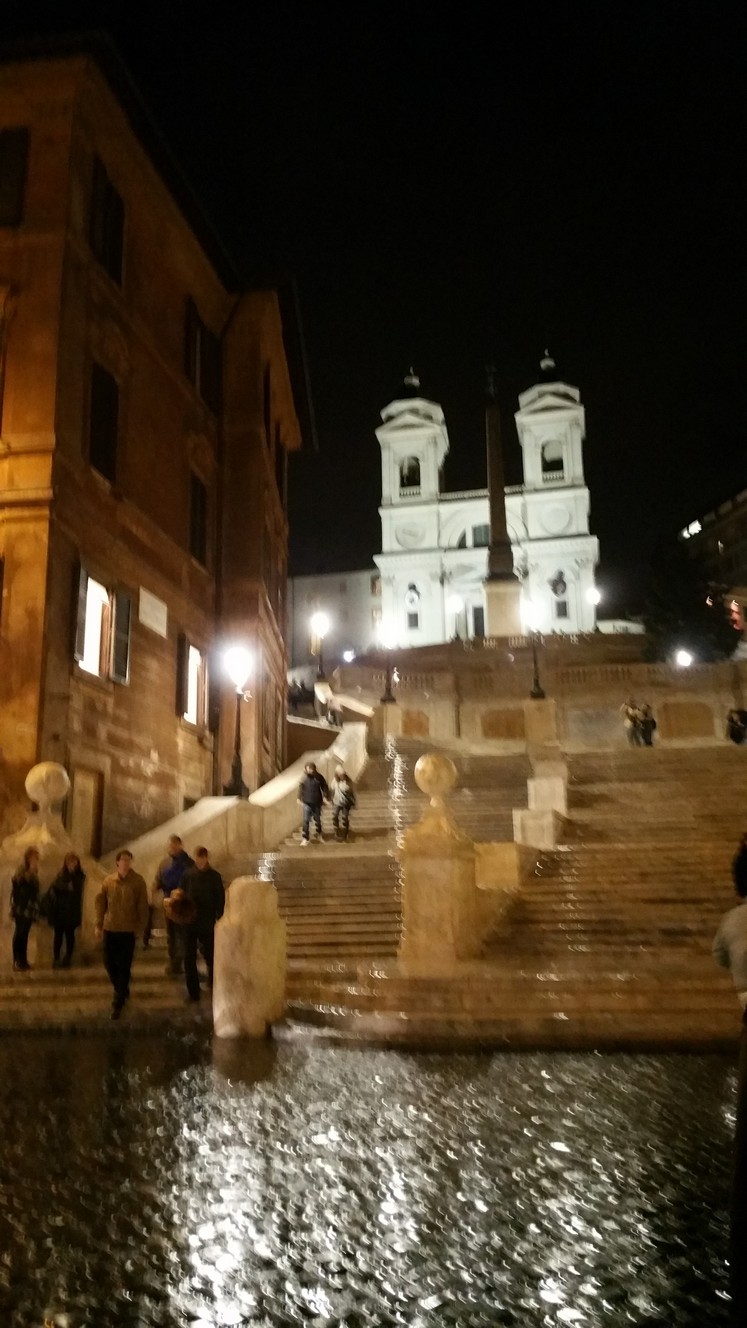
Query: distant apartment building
pixel 352 603
pixel 147 407
pixel 720 538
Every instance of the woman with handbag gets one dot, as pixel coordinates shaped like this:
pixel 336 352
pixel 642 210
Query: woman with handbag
pixel 24 907
pixel 64 907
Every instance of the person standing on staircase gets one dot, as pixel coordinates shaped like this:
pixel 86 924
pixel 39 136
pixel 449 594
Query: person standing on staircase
pixel 121 911
pixel 312 792
pixel 168 878
pixel 203 885
pixel 343 802
pixel 24 907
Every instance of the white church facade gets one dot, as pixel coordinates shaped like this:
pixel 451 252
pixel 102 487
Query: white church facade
pixel 434 544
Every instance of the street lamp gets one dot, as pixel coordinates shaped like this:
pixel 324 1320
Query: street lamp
pixel 320 627
pixel 238 665
pixel 683 659
pixel 593 596
pixel 530 614
pixel 387 642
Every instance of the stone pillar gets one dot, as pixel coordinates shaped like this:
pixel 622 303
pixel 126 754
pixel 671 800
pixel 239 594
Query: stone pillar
pixel 250 961
pixel 440 909
pixel 541 724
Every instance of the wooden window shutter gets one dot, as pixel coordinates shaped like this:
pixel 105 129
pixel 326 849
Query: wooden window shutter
pixel 182 674
pixel 14 154
pixel 80 592
pixel 103 423
pixel 191 334
pixel 120 666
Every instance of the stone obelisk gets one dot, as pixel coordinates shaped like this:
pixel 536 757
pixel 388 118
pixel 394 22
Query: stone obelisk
pixel 502 589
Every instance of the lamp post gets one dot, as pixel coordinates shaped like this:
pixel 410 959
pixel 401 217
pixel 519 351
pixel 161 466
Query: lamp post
pixel 387 642
pixel 530 614
pixel 238 665
pixel 320 627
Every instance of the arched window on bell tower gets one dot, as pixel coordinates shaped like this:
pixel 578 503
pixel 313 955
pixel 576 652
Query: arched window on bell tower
pixel 409 473
pixel 552 460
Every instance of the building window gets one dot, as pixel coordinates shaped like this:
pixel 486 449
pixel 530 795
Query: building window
pixel 198 519
pixel 478 620
pixel 280 468
pixel 191 701
pixel 106 229
pixel 409 473
pixel 462 541
pixel 14 156
pixel 376 617
pixel 102 630
pixel 480 537
pixel 267 402
pixel 413 621
pixel 103 423
pixel 561 608
pixel 552 460
pixel 376 587
pixel 202 360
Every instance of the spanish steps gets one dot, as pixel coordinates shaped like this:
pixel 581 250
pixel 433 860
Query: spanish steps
pixel 606 944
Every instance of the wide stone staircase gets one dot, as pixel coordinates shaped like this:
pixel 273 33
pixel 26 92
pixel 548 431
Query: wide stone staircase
pixel 341 900
pixel 78 999
pixel 607 944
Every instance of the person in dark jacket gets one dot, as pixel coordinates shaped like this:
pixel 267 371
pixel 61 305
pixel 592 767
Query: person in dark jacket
pixel 24 907
pixel 739 868
pixel 203 885
pixel 312 792
pixel 169 877
pixel 64 902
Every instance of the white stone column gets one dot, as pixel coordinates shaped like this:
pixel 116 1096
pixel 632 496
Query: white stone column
pixel 440 908
pixel 250 961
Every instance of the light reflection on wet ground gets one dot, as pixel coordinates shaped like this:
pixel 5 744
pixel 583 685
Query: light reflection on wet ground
pixel 165 1183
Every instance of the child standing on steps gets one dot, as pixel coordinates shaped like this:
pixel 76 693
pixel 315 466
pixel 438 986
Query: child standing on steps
pixel 343 802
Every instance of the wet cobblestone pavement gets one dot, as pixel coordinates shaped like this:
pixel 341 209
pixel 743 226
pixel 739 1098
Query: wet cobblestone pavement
pixel 168 1183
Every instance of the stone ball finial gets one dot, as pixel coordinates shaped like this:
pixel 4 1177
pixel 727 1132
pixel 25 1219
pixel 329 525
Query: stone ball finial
pixel 436 775
pixel 47 784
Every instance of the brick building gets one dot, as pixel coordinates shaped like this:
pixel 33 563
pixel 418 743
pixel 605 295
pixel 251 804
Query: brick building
pixel 147 407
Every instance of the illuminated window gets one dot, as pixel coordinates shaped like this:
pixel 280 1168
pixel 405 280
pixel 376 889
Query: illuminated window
pixel 375 617
pixel 193 690
pixel 14 154
pixel 376 586
pixel 102 630
pixel 106 225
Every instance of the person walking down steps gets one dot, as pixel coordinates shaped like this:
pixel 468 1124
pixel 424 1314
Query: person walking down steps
pixel 312 792
pixel 343 802
pixel 64 907
pixel 121 911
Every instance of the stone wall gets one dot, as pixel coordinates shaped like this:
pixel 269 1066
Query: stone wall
pixel 482 698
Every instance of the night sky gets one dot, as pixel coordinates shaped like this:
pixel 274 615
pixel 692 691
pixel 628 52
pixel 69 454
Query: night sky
pixel 460 184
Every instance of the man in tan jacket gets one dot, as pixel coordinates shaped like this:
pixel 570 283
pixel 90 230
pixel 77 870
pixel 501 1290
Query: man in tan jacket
pixel 121 912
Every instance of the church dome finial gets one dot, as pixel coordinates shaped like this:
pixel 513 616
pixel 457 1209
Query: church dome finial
pixel 547 363
pixel 411 378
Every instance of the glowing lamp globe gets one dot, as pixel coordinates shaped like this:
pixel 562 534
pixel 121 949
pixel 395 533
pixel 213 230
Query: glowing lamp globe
pixel 238 664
